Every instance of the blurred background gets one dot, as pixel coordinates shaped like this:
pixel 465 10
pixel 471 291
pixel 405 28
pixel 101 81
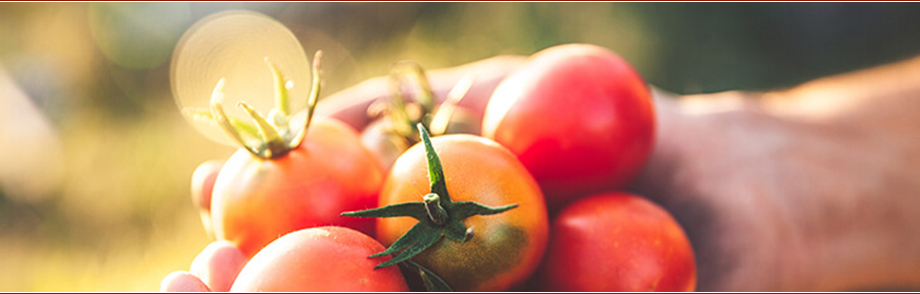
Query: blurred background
pixel 96 160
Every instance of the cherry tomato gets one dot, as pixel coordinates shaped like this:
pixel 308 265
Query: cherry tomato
pixel 320 259
pixel 182 281
pixel 202 185
pixel 617 242
pixel 218 265
pixel 258 200
pixel 505 248
pixel 385 146
pixel 578 117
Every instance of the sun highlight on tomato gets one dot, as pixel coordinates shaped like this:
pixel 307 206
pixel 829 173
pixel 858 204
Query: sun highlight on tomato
pixel 283 180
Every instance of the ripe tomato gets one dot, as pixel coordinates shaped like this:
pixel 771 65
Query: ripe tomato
pixel 505 248
pixel 617 242
pixel 257 200
pixel 218 265
pixel 577 116
pixel 321 259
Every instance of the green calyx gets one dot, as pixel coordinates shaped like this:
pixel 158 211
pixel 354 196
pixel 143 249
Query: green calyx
pixel 270 137
pixel 437 215
pixel 403 115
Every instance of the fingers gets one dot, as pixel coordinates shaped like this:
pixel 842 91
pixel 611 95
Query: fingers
pixel 350 105
pixel 182 281
pixel 202 185
pixel 218 265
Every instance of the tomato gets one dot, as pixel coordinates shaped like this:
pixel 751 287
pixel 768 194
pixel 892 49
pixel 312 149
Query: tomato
pixel 617 242
pixel 505 248
pixel 218 265
pixel 578 117
pixel 182 281
pixel 257 200
pixel 320 259
pixel 385 146
pixel 202 185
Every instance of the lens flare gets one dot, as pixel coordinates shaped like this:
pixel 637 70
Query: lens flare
pixel 234 46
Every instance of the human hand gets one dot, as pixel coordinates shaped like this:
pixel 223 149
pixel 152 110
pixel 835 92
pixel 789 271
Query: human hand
pixel 809 189
pixel 772 198
pixel 213 270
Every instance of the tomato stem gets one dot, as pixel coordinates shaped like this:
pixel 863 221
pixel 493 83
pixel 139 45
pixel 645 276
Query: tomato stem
pixel 436 212
pixel 438 216
pixel 426 97
pixel 441 119
pixel 401 114
pixel 273 134
pixel 217 111
pixel 311 102
pixel 282 103
pixel 433 283
pixel 273 144
pixel 435 170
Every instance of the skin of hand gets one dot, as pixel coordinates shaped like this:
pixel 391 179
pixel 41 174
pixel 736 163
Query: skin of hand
pixel 815 188
pixel 773 202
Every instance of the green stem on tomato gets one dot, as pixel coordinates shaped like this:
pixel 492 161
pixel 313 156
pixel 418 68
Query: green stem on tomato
pixel 441 118
pixel 437 215
pixel 274 145
pixel 217 111
pixel 272 134
pixel 311 102
pixel 282 102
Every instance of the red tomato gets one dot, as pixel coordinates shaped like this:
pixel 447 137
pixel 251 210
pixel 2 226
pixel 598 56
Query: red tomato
pixel 257 200
pixel 218 265
pixel 182 281
pixel 321 259
pixel 617 242
pixel 578 117
pixel 505 248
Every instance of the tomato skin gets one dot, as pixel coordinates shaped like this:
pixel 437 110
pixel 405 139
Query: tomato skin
pixel 256 201
pixel 617 242
pixel 506 247
pixel 385 147
pixel 320 259
pixel 578 116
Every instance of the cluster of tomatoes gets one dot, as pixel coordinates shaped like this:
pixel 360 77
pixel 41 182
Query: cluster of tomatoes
pixel 559 137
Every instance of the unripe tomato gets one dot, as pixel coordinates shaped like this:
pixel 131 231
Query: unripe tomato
pixel 617 242
pixel 321 259
pixel 578 117
pixel 258 200
pixel 505 248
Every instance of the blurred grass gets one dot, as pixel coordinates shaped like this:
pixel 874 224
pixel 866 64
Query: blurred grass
pixel 121 218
